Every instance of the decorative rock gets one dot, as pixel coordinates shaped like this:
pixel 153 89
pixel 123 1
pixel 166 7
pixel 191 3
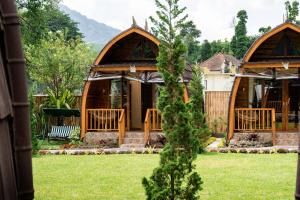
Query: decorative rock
pixel 243 151
pixel 253 151
pixel 233 150
pixel 265 151
pixel 43 152
pixel 293 151
pixel 281 150
pixel 213 150
pixel 223 150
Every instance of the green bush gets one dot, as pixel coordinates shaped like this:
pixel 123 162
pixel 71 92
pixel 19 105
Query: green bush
pixel 74 136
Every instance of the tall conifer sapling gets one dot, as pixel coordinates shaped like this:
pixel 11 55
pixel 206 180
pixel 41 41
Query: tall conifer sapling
pixel 174 178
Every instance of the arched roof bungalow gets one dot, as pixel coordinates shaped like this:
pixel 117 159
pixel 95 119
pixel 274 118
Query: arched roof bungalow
pixel 265 97
pixel 121 90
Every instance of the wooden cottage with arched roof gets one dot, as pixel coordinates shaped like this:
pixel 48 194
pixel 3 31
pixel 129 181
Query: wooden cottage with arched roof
pixel 265 97
pixel 121 90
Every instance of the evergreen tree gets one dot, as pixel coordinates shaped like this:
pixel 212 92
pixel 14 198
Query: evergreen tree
pixel 292 11
pixel 174 178
pixel 205 50
pixel 190 35
pixel 240 41
pixel 196 108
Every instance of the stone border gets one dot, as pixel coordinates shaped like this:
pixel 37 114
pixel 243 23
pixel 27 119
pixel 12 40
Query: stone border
pixel 96 151
pixel 261 150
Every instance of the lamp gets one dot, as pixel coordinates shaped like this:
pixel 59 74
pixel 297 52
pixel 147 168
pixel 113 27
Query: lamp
pixel 285 65
pixel 132 69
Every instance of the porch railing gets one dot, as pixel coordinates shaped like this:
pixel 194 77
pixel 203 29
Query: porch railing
pixel 255 119
pixel 153 122
pixel 106 120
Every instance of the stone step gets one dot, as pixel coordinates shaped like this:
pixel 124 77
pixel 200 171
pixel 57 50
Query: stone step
pixel 134 134
pixel 133 140
pixel 132 146
pixel 286 142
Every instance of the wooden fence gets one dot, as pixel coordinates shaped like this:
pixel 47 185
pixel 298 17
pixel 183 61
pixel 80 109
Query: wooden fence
pixel 216 109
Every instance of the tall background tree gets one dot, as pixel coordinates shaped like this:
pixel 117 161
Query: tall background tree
pixel 42 22
pixel 174 178
pixel 197 108
pixel 190 35
pixel 57 64
pixel 240 42
pixel 292 11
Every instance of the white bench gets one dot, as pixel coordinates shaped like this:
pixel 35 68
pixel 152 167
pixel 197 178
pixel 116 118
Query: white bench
pixel 62 132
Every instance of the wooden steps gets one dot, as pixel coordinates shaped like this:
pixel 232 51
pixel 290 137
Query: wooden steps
pixel 133 139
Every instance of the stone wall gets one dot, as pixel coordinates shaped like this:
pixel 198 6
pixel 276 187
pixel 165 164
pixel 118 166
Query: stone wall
pixel 105 139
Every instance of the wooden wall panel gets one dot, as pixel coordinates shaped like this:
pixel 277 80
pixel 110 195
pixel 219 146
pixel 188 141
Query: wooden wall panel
pixel 216 109
pixel 242 98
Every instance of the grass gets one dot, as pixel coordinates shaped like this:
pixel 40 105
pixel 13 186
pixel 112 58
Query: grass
pixel 225 176
pixel 51 144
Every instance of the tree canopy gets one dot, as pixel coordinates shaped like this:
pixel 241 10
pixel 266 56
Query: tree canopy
pixel 58 64
pixel 292 11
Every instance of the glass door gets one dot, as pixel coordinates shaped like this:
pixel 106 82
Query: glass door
pixel 293 105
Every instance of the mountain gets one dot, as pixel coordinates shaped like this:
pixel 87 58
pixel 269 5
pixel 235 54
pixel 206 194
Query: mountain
pixel 96 33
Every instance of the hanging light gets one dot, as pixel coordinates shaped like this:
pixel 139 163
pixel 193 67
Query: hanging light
pixel 132 69
pixel 285 65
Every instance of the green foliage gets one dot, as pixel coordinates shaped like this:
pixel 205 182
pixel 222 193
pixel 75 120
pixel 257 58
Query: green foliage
pixel 174 178
pixel 190 34
pixel 59 64
pixel 263 30
pixel 292 11
pixel 33 124
pixel 206 51
pixel 201 130
pixel 38 17
pixel 75 136
pixel 240 42
pixel 66 100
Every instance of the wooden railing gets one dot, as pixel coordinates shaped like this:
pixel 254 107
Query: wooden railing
pixel 106 120
pixel 255 119
pixel 153 122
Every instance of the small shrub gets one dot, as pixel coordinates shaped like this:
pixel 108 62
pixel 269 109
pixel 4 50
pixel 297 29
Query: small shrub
pixel 222 143
pixel 74 136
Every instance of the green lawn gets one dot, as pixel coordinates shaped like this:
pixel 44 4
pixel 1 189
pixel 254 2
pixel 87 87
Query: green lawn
pixel 225 176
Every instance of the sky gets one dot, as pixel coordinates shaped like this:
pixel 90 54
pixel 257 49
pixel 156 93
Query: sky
pixel 215 18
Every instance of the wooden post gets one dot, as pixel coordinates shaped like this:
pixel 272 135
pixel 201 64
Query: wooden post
pixel 231 114
pixel 273 127
pixel 83 109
